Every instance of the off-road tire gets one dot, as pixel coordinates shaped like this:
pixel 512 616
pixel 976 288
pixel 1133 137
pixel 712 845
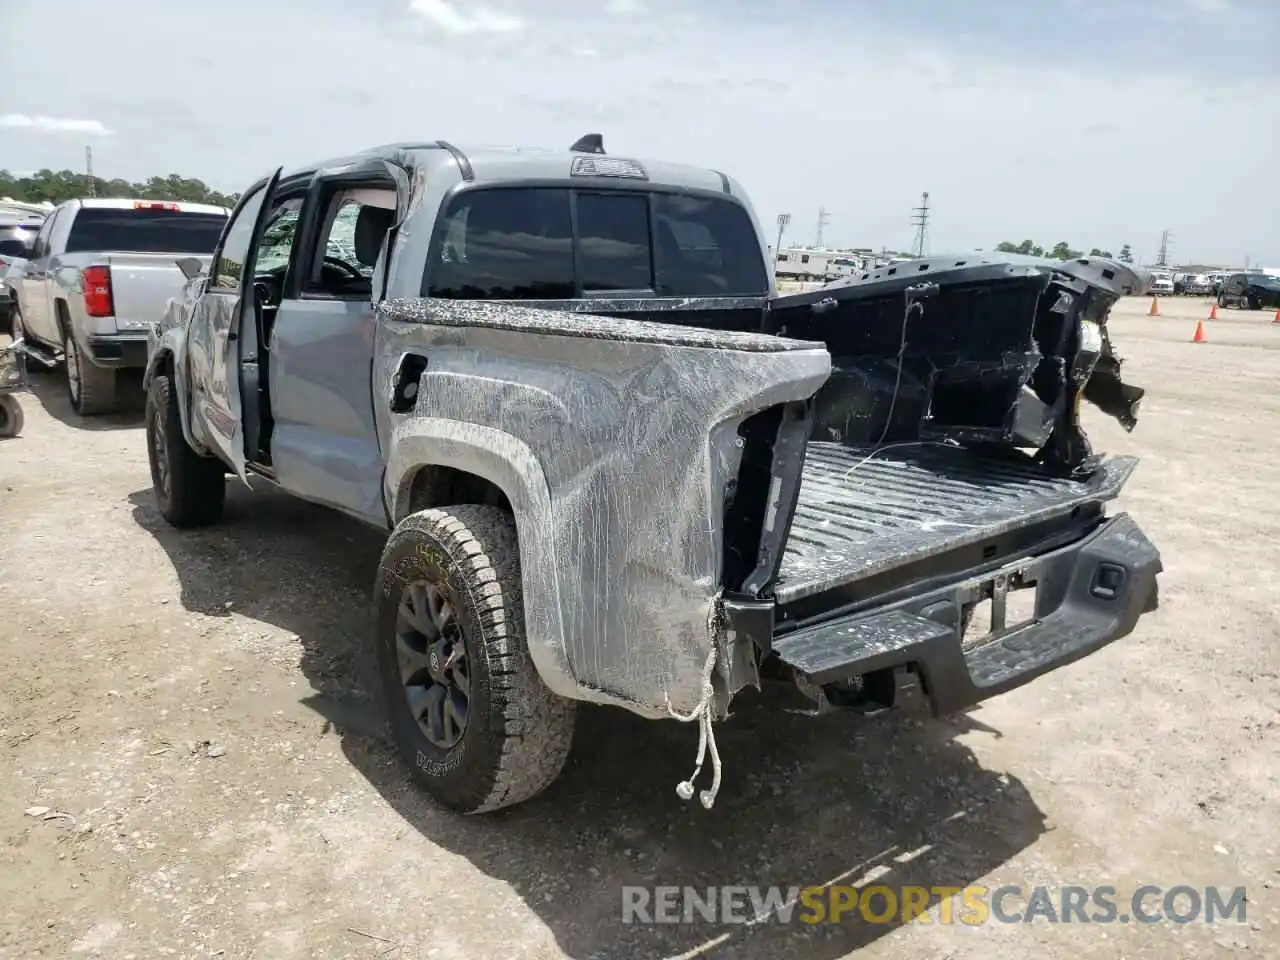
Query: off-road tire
pixel 96 393
pixel 518 732
pixel 11 418
pixel 197 485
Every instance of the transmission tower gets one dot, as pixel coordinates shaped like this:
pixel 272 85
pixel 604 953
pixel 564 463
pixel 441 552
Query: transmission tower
pixel 823 217
pixel 1165 237
pixel 88 168
pixel 921 221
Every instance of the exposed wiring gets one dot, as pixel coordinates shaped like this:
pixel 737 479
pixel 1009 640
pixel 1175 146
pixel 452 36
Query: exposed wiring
pixel 911 295
pixel 706 738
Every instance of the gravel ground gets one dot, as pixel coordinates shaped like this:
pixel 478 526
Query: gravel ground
pixel 187 708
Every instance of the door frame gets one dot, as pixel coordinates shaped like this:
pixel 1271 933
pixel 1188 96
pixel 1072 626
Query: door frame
pixel 373 173
pixel 231 448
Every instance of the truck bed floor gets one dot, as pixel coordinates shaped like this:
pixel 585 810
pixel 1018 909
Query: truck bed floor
pixel 857 517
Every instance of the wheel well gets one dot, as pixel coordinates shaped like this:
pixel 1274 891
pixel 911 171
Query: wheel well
pixel 163 367
pixel 64 316
pixel 439 486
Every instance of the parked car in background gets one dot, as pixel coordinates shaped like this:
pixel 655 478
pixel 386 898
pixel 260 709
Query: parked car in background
pixel 1197 284
pixel 98 274
pixel 1250 291
pixel 19 223
pixel 1161 284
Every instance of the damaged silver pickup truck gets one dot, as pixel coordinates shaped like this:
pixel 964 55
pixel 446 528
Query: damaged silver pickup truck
pixel 615 467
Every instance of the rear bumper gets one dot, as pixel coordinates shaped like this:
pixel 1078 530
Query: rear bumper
pixel 120 350
pixel 1089 594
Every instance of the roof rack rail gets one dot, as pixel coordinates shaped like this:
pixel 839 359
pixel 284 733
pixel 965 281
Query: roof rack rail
pixel 589 143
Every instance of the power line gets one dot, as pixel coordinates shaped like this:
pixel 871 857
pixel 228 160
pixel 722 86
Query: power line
pixel 921 221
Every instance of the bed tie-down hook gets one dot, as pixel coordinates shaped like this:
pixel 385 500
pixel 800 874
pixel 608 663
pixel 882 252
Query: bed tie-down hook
pixel 706 738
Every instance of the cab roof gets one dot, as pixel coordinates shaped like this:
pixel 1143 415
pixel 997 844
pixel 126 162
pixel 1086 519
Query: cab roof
pixel 494 163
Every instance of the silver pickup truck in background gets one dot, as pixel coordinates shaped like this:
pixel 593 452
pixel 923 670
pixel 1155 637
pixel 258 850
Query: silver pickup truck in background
pixel 98 274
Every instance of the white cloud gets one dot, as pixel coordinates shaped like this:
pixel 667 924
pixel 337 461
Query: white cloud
pixel 625 7
pixel 442 14
pixel 20 121
pixel 1209 6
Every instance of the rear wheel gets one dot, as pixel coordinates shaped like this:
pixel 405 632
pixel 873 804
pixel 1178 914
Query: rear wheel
pixel 18 331
pixel 91 388
pixel 10 416
pixel 190 489
pixel 471 717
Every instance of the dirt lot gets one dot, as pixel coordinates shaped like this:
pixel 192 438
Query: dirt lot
pixel 187 708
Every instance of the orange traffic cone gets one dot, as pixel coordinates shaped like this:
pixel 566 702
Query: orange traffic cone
pixel 1213 312
pixel 1277 319
pixel 1199 337
pixel 1155 307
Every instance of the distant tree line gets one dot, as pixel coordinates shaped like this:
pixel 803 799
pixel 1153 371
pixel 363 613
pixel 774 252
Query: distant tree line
pixel 68 185
pixel 1060 251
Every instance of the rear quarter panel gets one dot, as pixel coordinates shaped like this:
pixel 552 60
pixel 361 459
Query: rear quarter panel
pixel 613 441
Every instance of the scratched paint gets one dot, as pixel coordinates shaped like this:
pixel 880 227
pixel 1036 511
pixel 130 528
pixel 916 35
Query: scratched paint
pixel 613 440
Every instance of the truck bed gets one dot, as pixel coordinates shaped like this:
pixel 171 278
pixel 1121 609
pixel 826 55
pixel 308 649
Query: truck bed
pixel 857 517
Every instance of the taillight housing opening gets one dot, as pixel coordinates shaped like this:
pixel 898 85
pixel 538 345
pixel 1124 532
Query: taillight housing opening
pixel 97 291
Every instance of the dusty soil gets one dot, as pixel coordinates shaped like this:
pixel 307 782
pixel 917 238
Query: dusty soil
pixel 187 707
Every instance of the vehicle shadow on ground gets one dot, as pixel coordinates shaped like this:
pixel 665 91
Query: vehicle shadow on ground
pixel 805 801
pixel 49 387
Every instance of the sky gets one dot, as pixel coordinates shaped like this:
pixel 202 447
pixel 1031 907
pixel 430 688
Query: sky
pixel 1097 122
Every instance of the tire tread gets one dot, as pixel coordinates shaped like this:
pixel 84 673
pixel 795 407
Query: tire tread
pixel 534 725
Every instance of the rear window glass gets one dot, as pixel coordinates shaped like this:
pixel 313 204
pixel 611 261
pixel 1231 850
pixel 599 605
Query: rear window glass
pixel 144 231
pixel 519 243
pixel 613 242
pixel 513 244
pixel 10 247
pixel 706 247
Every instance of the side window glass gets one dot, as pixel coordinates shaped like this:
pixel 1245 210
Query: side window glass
pixel 613 242
pixel 41 247
pixel 277 238
pixel 358 223
pixel 505 244
pixel 235 246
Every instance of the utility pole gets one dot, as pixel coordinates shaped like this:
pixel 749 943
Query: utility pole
pixel 921 221
pixel 823 217
pixel 783 220
pixel 1164 248
pixel 88 168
